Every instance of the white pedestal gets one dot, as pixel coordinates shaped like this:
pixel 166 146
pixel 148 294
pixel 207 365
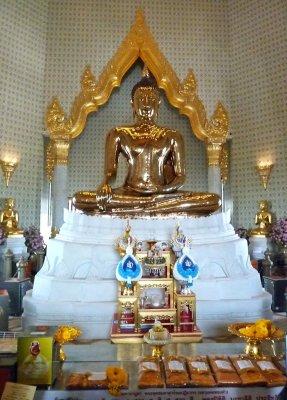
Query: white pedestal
pixel 257 247
pixel 59 194
pixel 214 179
pixel 77 283
pixel 16 244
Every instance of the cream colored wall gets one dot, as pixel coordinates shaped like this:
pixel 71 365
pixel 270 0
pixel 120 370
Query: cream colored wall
pixel 23 45
pixel 190 34
pixel 258 54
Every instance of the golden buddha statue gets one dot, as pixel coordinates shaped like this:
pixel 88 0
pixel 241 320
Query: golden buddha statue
pixel 9 218
pixel 156 167
pixel 263 219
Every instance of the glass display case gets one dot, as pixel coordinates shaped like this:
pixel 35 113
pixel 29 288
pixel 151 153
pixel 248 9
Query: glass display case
pixel 96 356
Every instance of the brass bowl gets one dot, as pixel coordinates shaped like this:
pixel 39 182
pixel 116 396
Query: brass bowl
pixel 253 345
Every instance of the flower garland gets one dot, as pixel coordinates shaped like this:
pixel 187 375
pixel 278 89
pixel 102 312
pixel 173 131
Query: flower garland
pixel 117 378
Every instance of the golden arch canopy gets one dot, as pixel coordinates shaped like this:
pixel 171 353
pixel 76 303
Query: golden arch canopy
pixel 139 43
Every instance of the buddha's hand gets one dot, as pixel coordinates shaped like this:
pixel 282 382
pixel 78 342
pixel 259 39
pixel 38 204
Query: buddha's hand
pixel 104 195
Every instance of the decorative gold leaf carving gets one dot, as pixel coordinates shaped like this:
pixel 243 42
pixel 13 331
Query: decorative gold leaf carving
pixel 139 43
pixel 88 81
pixel 188 86
pixel 56 120
pixel 50 161
pixel 213 153
pixel 224 163
pixel 217 128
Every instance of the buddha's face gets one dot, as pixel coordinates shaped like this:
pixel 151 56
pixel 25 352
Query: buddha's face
pixel 146 103
pixel 9 203
pixel 263 205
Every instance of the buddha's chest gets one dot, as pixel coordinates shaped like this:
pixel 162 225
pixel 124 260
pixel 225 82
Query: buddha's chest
pixel 147 148
pixel 8 214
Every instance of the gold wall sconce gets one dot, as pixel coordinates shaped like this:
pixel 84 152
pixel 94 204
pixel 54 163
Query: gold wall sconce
pixel 8 167
pixel 264 170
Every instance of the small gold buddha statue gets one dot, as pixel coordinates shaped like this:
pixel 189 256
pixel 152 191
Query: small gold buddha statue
pixel 156 167
pixel 9 218
pixel 263 219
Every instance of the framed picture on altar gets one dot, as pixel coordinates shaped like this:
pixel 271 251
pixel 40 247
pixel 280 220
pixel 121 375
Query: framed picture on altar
pixel 155 293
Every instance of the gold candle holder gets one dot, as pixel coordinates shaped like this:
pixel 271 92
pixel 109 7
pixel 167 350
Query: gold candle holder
pixel 8 168
pixel 264 171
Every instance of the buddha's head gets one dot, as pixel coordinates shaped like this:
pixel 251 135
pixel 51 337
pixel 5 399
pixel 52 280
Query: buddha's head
pixel 263 205
pixel 145 99
pixel 9 203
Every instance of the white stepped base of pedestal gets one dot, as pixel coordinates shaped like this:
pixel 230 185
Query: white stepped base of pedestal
pixel 77 284
pixel 213 317
pixel 93 318
pixel 50 288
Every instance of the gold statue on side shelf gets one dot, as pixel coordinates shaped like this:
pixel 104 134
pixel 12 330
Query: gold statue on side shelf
pixel 263 219
pixel 9 218
pixel 156 167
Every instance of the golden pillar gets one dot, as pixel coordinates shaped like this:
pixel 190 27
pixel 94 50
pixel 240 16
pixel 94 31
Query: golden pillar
pixel 57 161
pixel 213 150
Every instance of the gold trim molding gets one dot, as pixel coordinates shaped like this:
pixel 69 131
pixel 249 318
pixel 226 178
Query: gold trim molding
pixel 224 163
pixel 213 153
pixel 50 161
pixel 139 43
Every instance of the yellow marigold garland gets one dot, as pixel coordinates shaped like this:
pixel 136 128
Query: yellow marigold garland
pixel 117 377
pixel 261 329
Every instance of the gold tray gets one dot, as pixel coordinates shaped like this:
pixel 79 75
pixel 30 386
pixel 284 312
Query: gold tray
pixel 253 344
pixel 234 328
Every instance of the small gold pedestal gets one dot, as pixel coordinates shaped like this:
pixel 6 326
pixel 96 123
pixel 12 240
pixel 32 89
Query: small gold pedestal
pixel 157 345
pixel 157 351
pixel 253 349
pixel 62 354
pixel 253 345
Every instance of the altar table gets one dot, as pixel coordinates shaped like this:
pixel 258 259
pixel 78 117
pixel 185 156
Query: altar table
pixel 97 355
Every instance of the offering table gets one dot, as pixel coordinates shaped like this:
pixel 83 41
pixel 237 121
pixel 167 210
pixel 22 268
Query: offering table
pixel 96 356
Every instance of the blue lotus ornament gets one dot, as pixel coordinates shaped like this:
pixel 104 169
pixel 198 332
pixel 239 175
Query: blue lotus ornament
pixel 129 268
pixel 185 269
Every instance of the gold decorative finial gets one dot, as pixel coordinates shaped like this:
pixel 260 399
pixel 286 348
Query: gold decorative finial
pixel 145 72
pixel 128 229
pixel 125 240
pixel 140 15
pixel 88 80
